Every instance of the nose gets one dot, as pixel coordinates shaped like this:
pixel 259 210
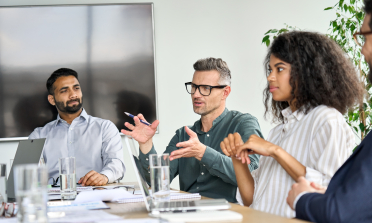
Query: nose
pixel 271 77
pixel 197 93
pixel 73 94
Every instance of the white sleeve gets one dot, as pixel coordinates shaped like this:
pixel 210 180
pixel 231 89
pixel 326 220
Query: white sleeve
pixel 331 146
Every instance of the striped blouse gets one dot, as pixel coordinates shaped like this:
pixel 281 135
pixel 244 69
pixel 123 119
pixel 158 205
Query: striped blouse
pixel 320 140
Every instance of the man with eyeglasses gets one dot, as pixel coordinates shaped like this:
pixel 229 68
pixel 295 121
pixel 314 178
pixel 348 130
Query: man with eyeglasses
pixel 348 196
pixel 195 153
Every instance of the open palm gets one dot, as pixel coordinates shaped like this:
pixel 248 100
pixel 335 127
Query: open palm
pixel 140 132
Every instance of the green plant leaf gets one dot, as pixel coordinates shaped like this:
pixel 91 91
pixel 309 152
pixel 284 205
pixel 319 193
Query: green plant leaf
pixel 268 43
pixel 268 32
pixel 328 8
pixel 265 38
pixel 361 127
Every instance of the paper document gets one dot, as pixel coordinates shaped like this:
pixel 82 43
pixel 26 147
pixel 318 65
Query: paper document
pixel 81 217
pixel 102 195
pixel 140 220
pixel 210 216
pixel 69 206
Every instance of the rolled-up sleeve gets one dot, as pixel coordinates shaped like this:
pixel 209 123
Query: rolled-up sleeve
pixel 331 146
pixel 112 153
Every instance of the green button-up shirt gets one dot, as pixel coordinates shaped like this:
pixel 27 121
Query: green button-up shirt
pixel 214 175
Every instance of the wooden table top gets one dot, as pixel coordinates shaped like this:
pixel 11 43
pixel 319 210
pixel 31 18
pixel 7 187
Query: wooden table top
pixel 138 210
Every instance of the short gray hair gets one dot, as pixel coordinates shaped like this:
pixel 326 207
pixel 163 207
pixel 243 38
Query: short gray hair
pixel 218 64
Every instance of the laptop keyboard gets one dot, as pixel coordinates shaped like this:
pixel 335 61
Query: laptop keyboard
pixel 176 204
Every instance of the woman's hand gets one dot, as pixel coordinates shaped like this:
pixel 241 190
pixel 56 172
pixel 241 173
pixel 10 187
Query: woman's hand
pixel 229 147
pixel 256 145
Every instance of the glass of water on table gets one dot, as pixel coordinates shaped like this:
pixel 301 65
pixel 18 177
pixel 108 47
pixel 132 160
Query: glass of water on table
pixel 67 177
pixel 159 175
pixel 30 184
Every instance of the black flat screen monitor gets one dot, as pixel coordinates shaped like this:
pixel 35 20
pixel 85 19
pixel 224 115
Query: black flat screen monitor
pixel 110 46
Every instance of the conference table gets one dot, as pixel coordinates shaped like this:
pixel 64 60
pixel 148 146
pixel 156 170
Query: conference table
pixel 138 210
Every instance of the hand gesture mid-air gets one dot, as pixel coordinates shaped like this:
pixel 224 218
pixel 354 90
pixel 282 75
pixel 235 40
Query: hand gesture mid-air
pixel 140 132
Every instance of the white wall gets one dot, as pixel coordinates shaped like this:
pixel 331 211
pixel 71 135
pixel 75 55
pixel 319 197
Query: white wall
pixel 192 29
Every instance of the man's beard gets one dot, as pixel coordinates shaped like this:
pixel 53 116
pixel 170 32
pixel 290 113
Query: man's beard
pixel 205 111
pixel 69 109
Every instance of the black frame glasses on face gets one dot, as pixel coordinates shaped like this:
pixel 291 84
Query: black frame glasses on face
pixel 203 89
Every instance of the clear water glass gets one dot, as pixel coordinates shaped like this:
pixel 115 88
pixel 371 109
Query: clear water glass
pixel 159 175
pixel 30 182
pixel 3 197
pixel 67 178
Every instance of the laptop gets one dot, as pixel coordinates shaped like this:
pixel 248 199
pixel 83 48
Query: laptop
pixel 28 151
pixel 170 206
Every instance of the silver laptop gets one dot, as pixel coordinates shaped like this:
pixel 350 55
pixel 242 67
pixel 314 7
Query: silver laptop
pixel 170 206
pixel 28 151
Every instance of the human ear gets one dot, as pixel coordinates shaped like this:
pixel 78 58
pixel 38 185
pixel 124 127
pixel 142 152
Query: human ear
pixel 226 92
pixel 51 100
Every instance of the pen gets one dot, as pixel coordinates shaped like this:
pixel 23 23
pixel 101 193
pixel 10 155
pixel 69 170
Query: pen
pixel 132 116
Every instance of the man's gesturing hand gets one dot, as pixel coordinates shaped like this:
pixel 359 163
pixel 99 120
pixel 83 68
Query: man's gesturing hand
pixel 191 148
pixel 92 178
pixel 140 132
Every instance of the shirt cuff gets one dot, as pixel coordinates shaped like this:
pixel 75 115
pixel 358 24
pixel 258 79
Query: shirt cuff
pixel 109 174
pixel 209 157
pixel 298 198
pixel 314 176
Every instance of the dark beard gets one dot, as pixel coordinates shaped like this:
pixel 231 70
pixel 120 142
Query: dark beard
pixel 69 109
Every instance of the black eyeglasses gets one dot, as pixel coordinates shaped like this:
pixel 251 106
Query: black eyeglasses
pixel 204 90
pixel 127 188
pixel 55 181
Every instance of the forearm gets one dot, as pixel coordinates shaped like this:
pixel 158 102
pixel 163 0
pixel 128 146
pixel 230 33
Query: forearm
pixel 114 170
pixel 146 147
pixel 245 181
pixel 294 168
pixel 219 165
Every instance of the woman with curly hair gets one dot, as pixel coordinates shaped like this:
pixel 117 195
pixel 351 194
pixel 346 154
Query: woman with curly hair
pixel 311 83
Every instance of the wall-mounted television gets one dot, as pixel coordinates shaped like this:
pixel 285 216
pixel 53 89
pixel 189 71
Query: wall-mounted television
pixel 111 47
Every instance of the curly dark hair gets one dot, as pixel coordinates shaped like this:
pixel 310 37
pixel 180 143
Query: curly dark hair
pixel 368 9
pixel 321 74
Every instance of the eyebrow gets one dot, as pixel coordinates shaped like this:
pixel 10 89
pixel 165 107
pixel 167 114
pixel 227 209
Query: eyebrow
pixel 76 85
pixel 280 63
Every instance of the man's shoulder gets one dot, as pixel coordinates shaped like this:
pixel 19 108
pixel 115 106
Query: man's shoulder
pixel 101 121
pixel 240 116
pixel 41 132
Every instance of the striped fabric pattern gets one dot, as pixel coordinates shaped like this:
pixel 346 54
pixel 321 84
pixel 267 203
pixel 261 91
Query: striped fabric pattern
pixel 321 140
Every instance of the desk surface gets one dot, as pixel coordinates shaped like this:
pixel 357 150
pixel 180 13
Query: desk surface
pixel 138 210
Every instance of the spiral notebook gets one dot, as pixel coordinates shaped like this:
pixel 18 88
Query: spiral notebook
pixel 174 196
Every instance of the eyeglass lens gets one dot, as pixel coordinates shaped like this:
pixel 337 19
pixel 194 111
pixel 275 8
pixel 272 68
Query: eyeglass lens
pixel 203 89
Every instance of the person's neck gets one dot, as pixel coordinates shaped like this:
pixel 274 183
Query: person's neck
pixel 207 120
pixel 292 105
pixel 69 117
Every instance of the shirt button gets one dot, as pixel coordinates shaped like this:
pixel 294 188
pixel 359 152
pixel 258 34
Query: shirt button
pixel 197 188
pixel 207 135
pixel 202 173
pixel 70 142
pixel 203 165
pixel 147 159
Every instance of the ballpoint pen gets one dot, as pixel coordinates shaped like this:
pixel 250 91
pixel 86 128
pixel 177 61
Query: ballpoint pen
pixel 132 116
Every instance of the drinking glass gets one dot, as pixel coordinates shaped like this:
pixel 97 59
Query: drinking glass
pixel 30 182
pixel 159 175
pixel 67 177
pixel 2 184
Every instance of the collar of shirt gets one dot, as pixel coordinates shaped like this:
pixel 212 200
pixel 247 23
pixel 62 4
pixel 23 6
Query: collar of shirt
pixel 295 116
pixel 83 115
pixel 215 122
